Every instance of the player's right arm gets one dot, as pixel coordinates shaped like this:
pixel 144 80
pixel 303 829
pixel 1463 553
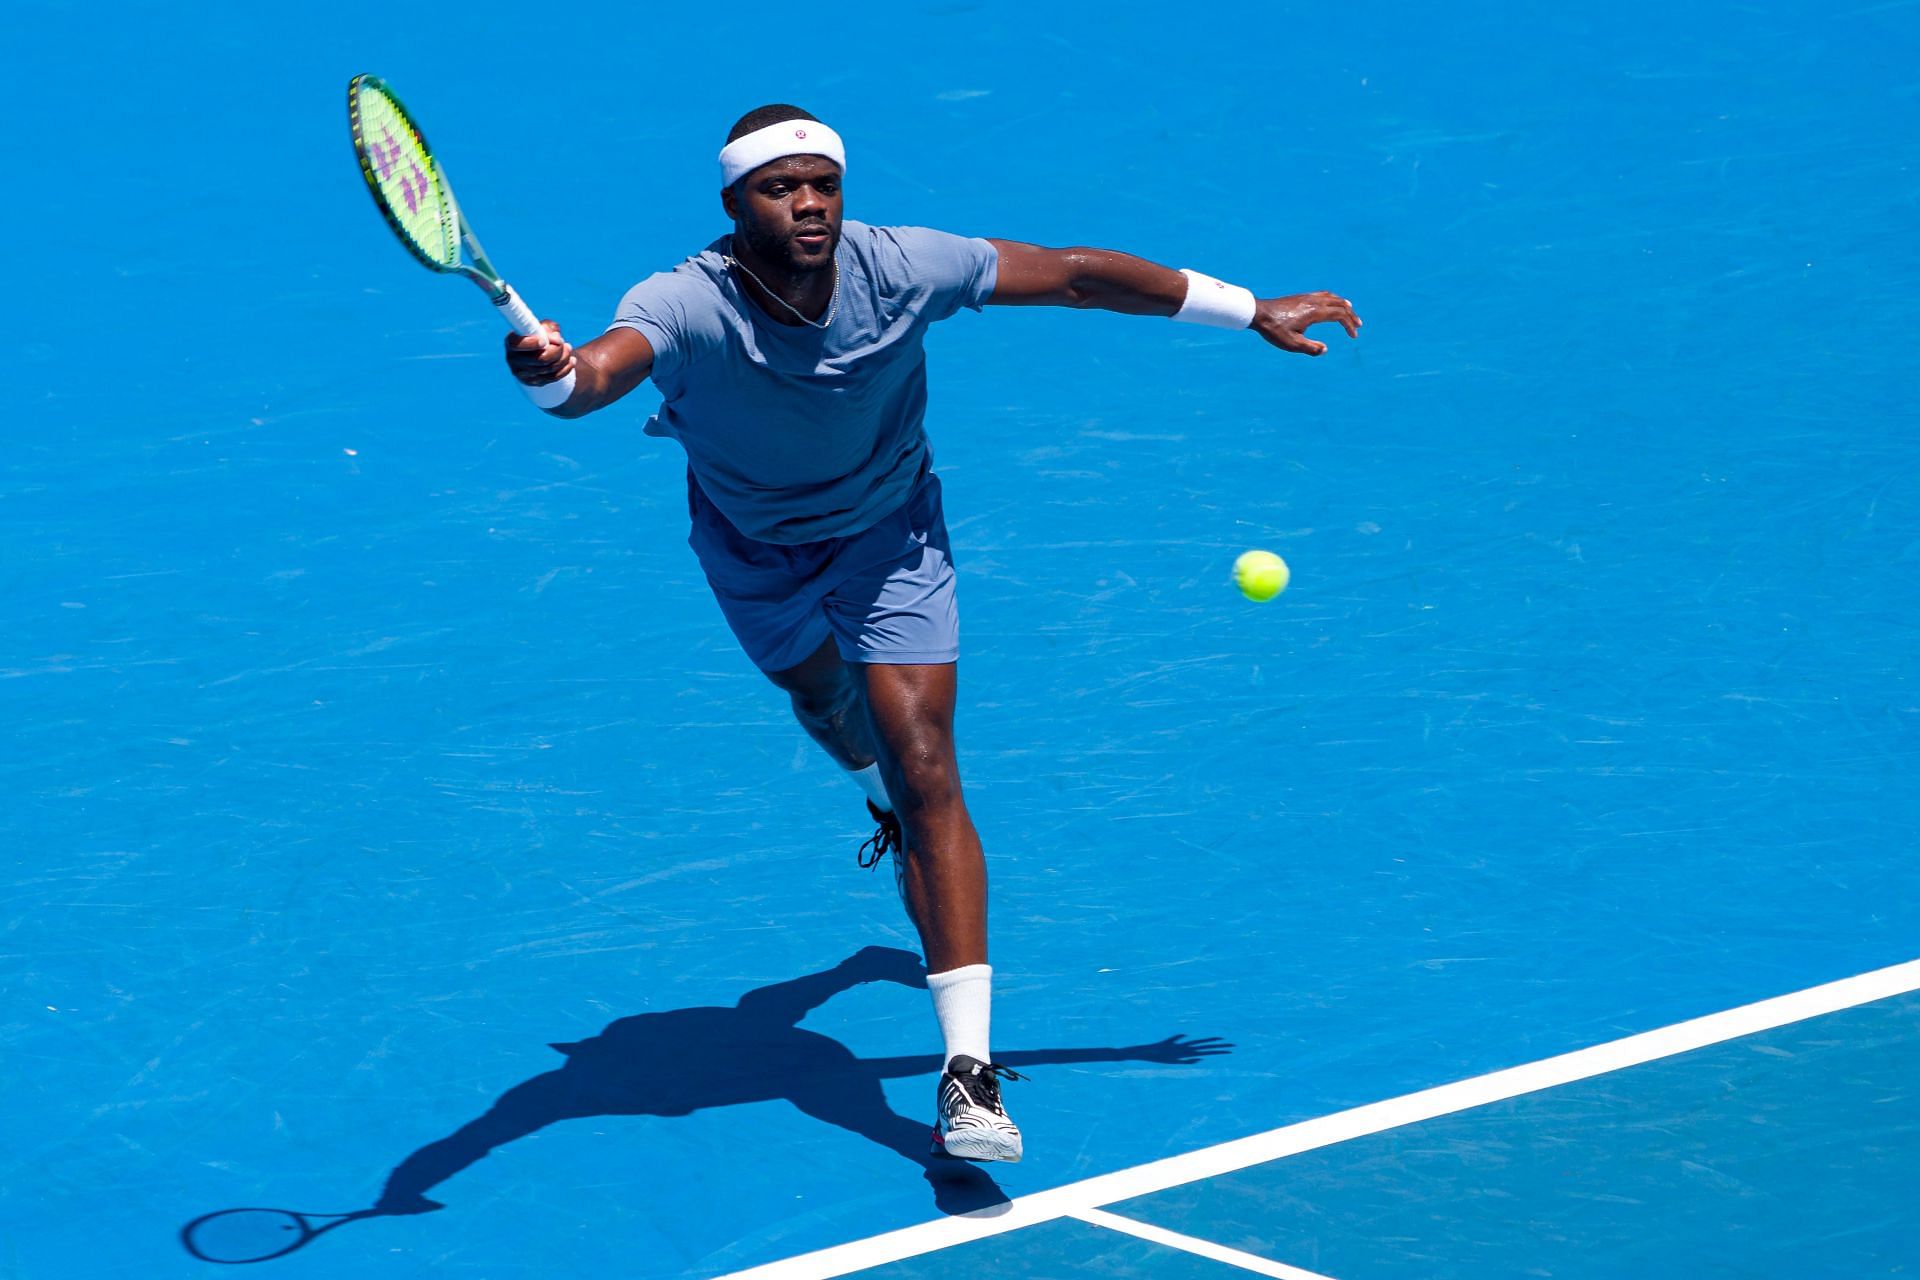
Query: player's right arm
pixel 604 370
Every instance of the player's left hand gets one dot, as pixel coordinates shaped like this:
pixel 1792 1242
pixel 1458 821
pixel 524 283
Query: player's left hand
pixel 1284 321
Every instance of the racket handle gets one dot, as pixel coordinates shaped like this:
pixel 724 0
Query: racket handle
pixel 515 311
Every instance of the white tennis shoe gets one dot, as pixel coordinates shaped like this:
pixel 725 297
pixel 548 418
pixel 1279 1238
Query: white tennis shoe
pixel 972 1124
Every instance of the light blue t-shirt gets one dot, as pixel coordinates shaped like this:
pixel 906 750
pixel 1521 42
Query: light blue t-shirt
pixel 797 433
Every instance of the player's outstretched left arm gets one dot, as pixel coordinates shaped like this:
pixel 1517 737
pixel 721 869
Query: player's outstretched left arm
pixel 1101 278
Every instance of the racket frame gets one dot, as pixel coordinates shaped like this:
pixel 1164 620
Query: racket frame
pixel 481 272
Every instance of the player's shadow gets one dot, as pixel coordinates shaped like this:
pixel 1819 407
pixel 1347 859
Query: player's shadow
pixel 687 1060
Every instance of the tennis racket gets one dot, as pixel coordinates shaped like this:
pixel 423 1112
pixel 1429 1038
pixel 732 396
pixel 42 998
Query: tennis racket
pixel 259 1235
pixel 414 197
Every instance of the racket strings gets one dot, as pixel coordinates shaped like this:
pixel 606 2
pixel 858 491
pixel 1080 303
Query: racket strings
pixel 399 167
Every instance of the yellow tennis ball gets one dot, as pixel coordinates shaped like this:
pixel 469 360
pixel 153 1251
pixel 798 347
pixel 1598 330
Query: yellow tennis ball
pixel 1260 575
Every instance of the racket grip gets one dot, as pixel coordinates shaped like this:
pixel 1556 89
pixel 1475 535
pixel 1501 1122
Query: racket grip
pixel 517 314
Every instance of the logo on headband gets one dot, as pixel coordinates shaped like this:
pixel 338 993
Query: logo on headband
pixel 799 133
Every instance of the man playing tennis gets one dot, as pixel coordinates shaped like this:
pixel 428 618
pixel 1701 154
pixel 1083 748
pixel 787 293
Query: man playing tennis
pixel 788 356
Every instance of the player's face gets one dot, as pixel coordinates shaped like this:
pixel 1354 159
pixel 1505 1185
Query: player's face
pixel 789 212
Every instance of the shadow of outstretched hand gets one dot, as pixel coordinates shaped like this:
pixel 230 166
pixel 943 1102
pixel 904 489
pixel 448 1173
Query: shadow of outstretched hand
pixel 887 964
pixel 1179 1051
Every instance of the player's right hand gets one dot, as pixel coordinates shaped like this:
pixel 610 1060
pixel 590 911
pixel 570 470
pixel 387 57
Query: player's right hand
pixel 538 361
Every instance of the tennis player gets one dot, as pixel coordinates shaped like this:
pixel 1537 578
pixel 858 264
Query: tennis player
pixel 789 361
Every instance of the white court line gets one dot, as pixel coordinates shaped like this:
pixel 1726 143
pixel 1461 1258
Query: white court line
pixel 1189 1244
pixel 1343 1126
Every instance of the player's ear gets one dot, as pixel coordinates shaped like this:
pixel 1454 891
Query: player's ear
pixel 728 203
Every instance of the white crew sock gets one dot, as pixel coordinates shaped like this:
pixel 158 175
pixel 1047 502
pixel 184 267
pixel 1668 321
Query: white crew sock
pixel 870 782
pixel 963 1001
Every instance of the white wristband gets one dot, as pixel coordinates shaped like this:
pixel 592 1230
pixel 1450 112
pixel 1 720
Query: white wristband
pixel 553 394
pixel 1215 302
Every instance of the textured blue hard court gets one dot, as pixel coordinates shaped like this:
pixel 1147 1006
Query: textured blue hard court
pixel 1780 1154
pixel 369 733
pixel 1788 1153
pixel 1069 1247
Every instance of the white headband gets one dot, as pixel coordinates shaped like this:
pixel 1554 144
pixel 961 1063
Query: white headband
pixel 777 141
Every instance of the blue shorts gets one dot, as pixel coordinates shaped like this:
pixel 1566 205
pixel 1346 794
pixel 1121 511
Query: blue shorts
pixel 885 595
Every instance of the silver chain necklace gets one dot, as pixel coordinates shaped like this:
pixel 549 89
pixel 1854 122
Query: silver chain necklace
pixel 833 303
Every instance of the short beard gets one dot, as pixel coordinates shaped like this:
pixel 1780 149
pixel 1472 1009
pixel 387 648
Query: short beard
pixel 778 253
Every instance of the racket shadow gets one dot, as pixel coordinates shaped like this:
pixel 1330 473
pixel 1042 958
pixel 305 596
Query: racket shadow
pixel 685 1060
pixel 259 1235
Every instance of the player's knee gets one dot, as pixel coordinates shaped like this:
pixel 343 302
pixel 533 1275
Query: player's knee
pixel 929 776
pixel 825 706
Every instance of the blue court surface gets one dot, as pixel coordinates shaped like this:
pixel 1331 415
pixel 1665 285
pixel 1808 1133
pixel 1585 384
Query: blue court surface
pixel 388 806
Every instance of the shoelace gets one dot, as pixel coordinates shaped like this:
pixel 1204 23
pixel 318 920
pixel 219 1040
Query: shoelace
pixel 884 840
pixel 983 1086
